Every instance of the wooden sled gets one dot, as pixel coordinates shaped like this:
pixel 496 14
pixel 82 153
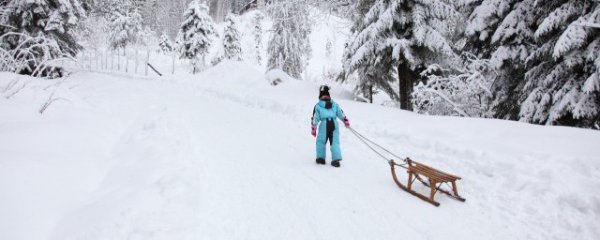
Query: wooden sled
pixel 430 177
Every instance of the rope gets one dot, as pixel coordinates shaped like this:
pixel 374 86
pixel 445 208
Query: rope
pixel 369 143
pixel 382 148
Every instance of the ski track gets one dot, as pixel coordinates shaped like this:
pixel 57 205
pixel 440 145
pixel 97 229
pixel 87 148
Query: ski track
pixel 202 162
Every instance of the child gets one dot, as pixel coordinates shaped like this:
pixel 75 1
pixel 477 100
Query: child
pixel 325 112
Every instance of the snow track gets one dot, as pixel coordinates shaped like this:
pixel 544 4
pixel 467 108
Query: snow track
pixel 224 155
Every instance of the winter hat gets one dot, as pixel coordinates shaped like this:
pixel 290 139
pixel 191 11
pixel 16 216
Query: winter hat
pixel 324 91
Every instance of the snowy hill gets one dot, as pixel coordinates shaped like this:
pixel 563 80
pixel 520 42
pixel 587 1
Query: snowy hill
pixel 225 155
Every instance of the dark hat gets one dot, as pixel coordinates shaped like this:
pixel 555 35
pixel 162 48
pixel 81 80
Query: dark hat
pixel 324 91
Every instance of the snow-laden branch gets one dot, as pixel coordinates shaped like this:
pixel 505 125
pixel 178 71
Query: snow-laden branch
pixel 589 24
pixel 462 90
pixel 455 107
pixel 33 54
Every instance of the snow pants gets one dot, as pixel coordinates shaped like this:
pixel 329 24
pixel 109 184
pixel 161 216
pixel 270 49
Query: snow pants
pixel 329 132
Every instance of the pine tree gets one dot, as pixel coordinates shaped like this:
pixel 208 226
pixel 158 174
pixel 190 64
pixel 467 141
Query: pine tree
pixel 367 80
pixel 289 47
pixel 124 28
pixel 258 34
pixel 195 34
pixel 544 56
pixel 106 8
pixel 165 44
pixel 147 37
pixel 562 82
pixel 513 42
pixel 45 28
pixel 395 40
pixel 231 40
pixel 484 16
pixel 91 34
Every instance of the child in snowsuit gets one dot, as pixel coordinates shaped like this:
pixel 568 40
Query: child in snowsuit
pixel 325 112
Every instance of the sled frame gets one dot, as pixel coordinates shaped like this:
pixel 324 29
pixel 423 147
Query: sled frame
pixel 432 178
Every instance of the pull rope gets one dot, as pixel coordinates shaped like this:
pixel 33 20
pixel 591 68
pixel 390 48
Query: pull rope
pixel 369 143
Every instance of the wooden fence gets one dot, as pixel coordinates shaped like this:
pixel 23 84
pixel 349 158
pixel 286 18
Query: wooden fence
pixel 133 61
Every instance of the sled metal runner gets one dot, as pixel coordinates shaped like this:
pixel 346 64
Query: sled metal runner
pixel 432 178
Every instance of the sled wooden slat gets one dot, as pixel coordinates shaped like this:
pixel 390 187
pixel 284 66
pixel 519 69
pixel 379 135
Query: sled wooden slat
pixel 433 174
pixel 430 177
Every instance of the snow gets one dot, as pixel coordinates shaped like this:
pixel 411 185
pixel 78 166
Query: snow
pixel 225 155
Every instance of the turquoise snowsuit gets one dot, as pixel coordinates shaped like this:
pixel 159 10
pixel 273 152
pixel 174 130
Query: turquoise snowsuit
pixel 325 113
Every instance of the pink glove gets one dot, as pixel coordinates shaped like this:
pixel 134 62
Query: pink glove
pixel 346 123
pixel 313 130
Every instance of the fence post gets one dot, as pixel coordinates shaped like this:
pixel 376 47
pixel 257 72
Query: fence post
pixel 118 59
pixel 173 64
pixel 147 61
pixel 136 60
pixel 97 60
pixel 126 55
pixel 105 59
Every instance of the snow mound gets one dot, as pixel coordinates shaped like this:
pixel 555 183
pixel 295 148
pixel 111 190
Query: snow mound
pixel 277 76
pixel 229 72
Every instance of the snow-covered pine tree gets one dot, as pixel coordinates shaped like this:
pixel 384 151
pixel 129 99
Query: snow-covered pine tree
pixel 340 8
pixel 44 28
pixel 106 8
pixel 124 28
pixel 464 87
pixel 91 32
pixel 258 35
pixel 165 43
pixel 512 42
pixel 147 37
pixel 366 79
pixel 395 40
pixel 231 40
pixel 195 34
pixel 562 84
pixel 541 79
pixel 289 47
pixel 483 18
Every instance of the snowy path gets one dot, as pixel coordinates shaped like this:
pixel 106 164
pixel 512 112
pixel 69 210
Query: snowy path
pixel 217 158
pixel 218 173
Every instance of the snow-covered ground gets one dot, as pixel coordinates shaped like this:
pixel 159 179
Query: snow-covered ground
pixel 225 155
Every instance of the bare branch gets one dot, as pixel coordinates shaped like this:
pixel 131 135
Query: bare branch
pixel 17 91
pixel 50 100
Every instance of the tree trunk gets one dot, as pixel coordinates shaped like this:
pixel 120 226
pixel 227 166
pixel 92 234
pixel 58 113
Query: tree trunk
pixel 371 94
pixel 194 64
pixel 406 80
